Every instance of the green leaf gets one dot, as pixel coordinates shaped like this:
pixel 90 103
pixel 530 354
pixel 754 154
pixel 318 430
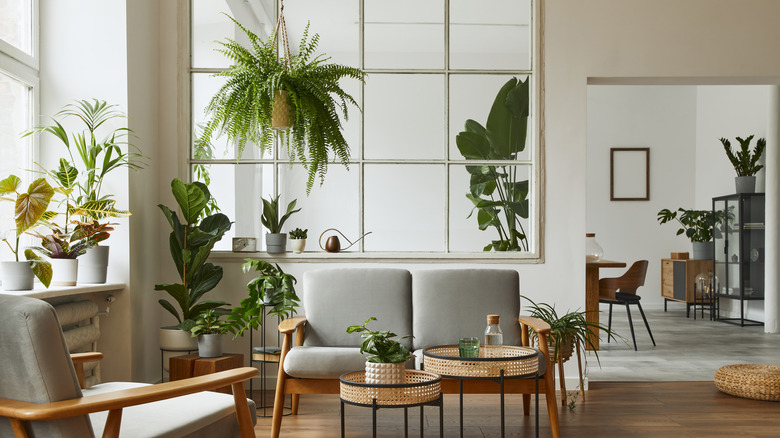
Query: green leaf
pixel 10 185
pixel 31 206
pixel 190 198
pixel 40 267
pixel 66 174
pixel 473 146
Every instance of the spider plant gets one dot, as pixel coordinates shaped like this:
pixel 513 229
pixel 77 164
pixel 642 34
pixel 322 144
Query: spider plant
pixel 243 106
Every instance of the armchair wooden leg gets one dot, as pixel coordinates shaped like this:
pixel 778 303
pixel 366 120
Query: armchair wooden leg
pixel 296 398
pixel 276 425
pixel 17 426
pixel 245 426
pixel 552 405
pixel 112 424
pixel 526 404
pixel 579 368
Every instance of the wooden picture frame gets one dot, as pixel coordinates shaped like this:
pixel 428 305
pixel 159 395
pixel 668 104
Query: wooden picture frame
pixel 629 174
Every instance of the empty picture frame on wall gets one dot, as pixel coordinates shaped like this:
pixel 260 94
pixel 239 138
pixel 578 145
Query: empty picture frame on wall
pixel 629 174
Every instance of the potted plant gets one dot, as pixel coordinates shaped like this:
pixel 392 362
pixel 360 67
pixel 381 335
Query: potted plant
pixel 298 240
pixel 275 240
pixel 698 226
pixel 272 291
pixel 209 329
pixel 309 88
pixel 30 209
pixel 191 243
pixel 745 163
pixel 385 365
pixel 500 198
pixel 83 184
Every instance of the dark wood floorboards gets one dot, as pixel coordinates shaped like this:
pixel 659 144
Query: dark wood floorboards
pixel 611 409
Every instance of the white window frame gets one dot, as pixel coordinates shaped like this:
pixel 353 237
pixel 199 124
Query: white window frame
pixel 535 254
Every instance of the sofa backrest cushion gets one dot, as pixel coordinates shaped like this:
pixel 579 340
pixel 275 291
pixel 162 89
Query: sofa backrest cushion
pixel 453 303
pixel 36 366
pixel 336 298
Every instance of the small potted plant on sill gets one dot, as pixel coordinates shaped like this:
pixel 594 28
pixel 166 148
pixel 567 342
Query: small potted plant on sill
pixel 209 329
pixel 30 209
pixel 385 365
pixel 191 243
pixel 298 240
pixel 698 226
pixel 745 162
pixel 275 240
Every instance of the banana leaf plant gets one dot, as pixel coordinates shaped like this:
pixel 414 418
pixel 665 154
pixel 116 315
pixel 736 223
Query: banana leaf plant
pixel 29 211
pixel 500 199
pixel 191 243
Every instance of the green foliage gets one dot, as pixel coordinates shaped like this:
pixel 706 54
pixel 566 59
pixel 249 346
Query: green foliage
pixel 209 323
pixel 698 225
pixel 380 345
pixel 242 107
pixel 498 197
pixel 299 233
pixel 272 289
pixel 63 244
pixel 270 217
pixel 570 327
pixel 190 244
pixel 745 163
pixel 204 151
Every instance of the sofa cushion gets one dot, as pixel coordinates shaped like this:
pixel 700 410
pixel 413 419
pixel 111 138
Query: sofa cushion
pixel 205 414
pixel 336 298
pixel 323 362
pixel 452 303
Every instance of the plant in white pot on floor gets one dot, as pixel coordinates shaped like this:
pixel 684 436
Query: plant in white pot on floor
pixel 29 210
pixel 387 357
pixel 275 240
pixel 745 162
pixel 298 240
pixel 191 243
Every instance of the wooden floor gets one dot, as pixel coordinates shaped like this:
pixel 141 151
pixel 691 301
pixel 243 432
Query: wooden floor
pixel 611 409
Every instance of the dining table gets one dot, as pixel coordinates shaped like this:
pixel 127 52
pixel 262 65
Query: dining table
pixel 592 295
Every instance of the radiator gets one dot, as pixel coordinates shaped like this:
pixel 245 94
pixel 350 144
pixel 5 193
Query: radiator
pixel 81 327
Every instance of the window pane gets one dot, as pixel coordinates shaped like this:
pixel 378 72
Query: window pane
pixel 404 34
pixel 245 183
pixel 465 234
pixel 404 207
pixel 335 204
pixel 404 117
pixel 16 24
pixel 495 37
pixel 336 21
pixel 471 97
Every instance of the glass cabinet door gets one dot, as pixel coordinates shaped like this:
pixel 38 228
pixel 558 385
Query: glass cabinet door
pixel 721 231
pixel 752 247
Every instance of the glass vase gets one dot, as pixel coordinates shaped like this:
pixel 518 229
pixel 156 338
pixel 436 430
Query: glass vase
pixel 593 251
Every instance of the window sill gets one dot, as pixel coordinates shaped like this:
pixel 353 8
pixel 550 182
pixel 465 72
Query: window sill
pixel 379 257
pixel 62 291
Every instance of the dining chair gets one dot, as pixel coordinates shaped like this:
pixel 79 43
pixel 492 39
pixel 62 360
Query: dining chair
pixel 622 290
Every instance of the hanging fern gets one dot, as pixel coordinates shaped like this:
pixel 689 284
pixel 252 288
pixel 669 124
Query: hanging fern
pixel 242 107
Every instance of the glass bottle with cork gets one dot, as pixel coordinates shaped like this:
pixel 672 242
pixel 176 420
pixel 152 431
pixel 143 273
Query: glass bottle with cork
pixel 494 339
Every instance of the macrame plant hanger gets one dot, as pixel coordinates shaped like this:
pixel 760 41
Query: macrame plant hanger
pixel 282 115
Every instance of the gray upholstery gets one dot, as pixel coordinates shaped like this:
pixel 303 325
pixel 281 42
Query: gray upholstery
pixel 323 362
pixel 36 367
pixel 336 298
pixel 452 303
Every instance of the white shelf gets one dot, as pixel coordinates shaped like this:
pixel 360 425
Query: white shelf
pixel 60 291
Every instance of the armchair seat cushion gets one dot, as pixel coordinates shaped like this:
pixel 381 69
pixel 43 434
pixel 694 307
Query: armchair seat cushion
pixel 323 362
pixel 205 414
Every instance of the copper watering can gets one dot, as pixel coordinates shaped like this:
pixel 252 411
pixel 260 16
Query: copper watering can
pixel 333 244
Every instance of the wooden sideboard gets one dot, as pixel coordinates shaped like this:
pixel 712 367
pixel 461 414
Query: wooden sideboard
pixel 678 279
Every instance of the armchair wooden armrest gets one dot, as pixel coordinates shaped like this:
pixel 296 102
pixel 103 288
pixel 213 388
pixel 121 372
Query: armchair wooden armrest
pixel 114 402
pixel 79 359
pixel 542 330
pixel 289 325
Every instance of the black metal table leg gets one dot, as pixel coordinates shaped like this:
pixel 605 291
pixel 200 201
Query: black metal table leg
pixel 373 415
pixel 421 420
pixel 441 415
pixel 537 404
pixel 342 418
pixel 501 381
pixel 461 408
pixel 406 422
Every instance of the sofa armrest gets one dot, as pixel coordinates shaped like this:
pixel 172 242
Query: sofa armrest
pixel 79 359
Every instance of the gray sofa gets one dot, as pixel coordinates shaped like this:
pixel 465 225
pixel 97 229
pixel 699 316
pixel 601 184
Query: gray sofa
pixel 436 306
pixel 40 394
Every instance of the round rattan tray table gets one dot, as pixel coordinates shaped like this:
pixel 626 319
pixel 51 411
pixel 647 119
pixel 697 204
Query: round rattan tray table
pixel 754 381
pixel 420 388
pixel 512 363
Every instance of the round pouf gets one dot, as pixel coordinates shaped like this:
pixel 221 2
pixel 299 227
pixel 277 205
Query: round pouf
pixel 757 382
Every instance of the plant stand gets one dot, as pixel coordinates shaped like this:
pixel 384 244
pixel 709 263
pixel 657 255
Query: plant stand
pixel 264 355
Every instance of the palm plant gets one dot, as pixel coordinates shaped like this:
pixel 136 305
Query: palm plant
pixel 745 163
pixel 242 108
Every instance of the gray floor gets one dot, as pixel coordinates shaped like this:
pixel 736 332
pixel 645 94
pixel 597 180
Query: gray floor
pixel 686 350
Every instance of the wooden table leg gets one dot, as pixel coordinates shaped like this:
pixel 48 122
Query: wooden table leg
pixel 592 302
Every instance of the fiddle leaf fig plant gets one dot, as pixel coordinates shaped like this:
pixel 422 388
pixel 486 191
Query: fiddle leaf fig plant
pixel 380 344
pixel 499 195
pixel 745 162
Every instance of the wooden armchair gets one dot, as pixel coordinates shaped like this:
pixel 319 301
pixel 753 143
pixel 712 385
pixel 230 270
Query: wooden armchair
pixel 41 395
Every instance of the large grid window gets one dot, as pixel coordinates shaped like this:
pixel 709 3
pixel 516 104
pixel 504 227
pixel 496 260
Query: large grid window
pixel 430 65
pixel 18 87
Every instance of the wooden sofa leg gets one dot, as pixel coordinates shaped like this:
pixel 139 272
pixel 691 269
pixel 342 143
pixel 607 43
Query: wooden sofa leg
pixel 296 398
pixel 526 404
pixel 552 405
pixel 276 425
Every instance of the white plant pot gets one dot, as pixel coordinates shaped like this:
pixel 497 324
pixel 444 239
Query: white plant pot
pixel 65 272
pixel 209 345
pixel 297 245
pixel 276 243
pixel 385 373
pixel 174 339
pixel 93 265
pixel 16 275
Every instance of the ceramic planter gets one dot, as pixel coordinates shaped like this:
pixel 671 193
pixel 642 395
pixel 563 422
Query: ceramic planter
pixel 282 114
pixel 745 184
pixel 16 275
pixel 385 373
pixel 65 272
pixel 276 243
pixel 93 265
pixel 703 250
pixel 297 245
pixel 209 345
pixel 174 339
